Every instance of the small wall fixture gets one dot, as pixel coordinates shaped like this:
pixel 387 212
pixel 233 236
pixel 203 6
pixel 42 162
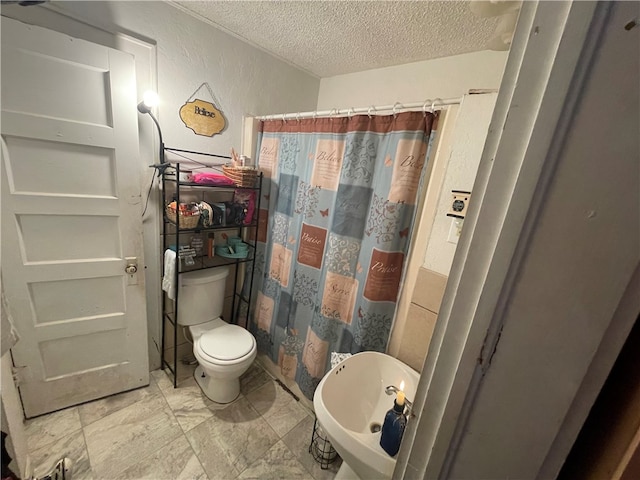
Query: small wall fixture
pixel 459 204
pixel 150 100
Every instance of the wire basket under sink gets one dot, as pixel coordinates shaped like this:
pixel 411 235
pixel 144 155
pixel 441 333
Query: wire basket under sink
pixel 321 448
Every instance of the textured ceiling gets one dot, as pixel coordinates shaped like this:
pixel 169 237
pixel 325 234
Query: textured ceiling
pixel 329 38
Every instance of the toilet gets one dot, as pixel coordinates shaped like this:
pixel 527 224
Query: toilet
pixel 223 351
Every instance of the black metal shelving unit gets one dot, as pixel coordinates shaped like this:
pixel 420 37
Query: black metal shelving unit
pixel 171 233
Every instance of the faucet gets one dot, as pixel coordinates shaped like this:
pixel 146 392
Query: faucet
pixel 391 389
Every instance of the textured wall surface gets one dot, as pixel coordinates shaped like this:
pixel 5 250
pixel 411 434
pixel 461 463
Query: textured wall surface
pixel 413 82
pixel 468 141
pixel 245 80
pixel 332 38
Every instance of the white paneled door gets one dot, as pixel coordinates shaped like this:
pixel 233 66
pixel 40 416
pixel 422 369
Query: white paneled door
pixel 71 218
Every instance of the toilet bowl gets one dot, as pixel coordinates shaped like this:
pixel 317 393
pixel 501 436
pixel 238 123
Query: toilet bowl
pixel 223 351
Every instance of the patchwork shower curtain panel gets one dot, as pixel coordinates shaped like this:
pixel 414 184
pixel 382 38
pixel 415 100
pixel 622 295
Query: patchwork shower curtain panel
pixel 339 200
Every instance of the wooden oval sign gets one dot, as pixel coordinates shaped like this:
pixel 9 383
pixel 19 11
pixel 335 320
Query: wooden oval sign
pixel 202 117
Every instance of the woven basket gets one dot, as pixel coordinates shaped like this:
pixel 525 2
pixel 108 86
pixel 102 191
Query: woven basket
pixel 241 176
pixel 186 221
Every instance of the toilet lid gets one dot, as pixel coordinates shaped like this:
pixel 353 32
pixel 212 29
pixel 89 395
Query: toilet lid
pixel 228 342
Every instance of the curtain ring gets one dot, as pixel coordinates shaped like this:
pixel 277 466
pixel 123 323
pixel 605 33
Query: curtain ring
pixel 284 120
pixel 433 105
pixel 315 114
pixel 298 117
pixel 395 105
pixel 351 111
pixel 369 111
pixel 424 106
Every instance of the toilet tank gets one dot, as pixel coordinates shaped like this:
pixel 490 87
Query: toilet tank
pixel 201 295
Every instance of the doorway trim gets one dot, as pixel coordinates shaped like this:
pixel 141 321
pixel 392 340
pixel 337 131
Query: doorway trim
pixel 549 58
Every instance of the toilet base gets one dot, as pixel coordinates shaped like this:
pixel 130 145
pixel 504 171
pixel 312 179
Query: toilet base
pixel 219 390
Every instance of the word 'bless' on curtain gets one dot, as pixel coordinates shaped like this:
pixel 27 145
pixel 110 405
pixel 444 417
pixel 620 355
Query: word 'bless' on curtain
pixel 340 196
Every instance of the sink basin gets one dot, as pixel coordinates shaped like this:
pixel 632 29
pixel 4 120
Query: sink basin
pixel 350 404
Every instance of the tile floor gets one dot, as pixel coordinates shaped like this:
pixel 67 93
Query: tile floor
pixel 159 432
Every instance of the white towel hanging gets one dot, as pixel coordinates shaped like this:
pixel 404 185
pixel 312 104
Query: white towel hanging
pixel 168 280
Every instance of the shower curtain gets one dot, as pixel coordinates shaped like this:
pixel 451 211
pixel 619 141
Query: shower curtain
pixel 339 200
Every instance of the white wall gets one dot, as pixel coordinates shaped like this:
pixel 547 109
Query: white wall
pixel 471 129
pixel 413 82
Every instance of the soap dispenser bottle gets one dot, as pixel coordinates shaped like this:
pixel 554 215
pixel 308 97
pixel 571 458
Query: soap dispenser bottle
pixel 393 427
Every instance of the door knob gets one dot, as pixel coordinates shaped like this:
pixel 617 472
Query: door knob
pixel 131 268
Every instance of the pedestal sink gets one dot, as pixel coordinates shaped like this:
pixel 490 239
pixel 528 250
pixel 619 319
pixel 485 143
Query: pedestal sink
pixel 350 404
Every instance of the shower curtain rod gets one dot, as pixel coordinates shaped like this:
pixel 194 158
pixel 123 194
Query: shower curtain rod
pixel 427 105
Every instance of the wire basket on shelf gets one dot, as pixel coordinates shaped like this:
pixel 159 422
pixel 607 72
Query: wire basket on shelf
pixel 242 176
pixel 189 218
